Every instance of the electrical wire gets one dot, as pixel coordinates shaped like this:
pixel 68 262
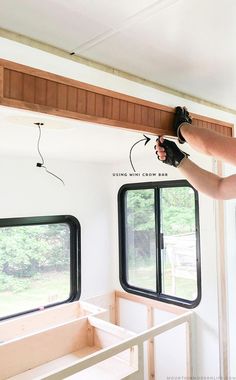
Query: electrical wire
pixel 41 164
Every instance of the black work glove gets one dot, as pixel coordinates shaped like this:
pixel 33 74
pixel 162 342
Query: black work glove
pixel 181 116
pixel 174 156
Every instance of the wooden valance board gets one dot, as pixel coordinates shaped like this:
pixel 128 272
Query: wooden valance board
pixel 36 90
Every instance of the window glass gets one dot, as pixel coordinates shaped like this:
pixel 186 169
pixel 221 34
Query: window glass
pixel 35 266
pixel 140 238
pixel 179 269
pixel 159 241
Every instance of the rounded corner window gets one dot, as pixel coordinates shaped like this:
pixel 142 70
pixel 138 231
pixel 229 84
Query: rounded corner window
pixel 159 242
pixel 39 263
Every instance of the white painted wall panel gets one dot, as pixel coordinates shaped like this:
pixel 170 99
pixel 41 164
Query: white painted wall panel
pixel 29 191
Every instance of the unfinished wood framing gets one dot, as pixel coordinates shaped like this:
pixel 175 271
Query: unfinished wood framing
pixel 36 90
pixel 222 284
pixel 83 345
pixel 151 305
pixel 151 345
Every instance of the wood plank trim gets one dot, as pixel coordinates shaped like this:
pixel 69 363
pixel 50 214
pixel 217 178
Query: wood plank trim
pixel 33 89
pixel 151 303
pixel 1 82
pixel 222 285
pixel 116 349
pixel 151 345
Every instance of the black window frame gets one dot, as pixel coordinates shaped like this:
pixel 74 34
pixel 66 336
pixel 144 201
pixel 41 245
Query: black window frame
pixel 190 304
pixel 75 253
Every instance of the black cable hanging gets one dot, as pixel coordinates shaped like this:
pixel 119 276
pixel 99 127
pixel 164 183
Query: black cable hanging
pixel 41 164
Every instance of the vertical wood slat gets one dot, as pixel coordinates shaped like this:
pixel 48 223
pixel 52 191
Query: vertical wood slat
pixel 62 96
pixel 151 349
pixel 91 103
pixel 115 109
pixel 157 118
pixel 51 97
pixel 1 81
pixel 144 115
pixel 188 334
pixel 72 99
pixel 167 120
pixel 40 91
pixel 16 85
pixel 28 88
pixel 198 123
pixel 99 105
pixel 151 117
pixel 81 101
pixel 137 114
pixel 6 83
pixel 108 107
pixel 117 310
pixel 130 114
pixel 228 131
pixel 123 110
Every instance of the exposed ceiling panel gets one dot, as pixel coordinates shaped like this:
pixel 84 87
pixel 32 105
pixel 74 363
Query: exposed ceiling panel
pixel 187 45
pixel 66 24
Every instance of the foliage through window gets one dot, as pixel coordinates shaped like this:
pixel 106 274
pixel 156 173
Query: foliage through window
pixel 159 241
pixel 39 263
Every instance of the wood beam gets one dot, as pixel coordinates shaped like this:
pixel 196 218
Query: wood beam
pixel 36 90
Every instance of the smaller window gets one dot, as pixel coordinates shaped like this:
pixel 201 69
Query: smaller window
pixel 159 241
pixel 39 263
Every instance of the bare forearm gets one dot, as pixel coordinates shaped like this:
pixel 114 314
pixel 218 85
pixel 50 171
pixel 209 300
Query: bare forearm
pixel 210 142
pixel 202 180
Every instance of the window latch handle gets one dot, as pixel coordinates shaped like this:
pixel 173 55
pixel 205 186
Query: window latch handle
pixel 161 240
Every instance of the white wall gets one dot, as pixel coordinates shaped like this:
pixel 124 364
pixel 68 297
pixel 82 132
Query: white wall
pixel 99 242
pixel 29 191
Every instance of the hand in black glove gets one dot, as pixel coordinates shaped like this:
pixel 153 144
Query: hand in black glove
pixel 181 116
pixel 169 153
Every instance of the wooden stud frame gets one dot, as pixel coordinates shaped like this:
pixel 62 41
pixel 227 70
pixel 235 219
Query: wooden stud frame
pixel 36 90
pixel 98 340
pixel 222 284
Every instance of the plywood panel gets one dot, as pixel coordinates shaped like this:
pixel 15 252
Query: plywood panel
pixel 33 350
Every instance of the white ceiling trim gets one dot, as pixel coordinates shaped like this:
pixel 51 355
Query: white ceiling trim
pixel 111 70
pixel 139 16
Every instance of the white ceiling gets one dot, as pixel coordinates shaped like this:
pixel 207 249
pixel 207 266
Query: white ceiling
pixel 68 139
pixel 187 45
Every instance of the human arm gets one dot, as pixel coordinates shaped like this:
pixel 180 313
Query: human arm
pixel 210 184
pixel 210 142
